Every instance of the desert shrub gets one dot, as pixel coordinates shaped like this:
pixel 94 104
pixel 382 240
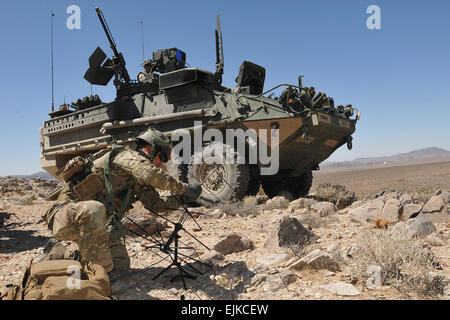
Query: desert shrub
pixel 404 262
pixel 279 202
pixel 315 221
pixel 333 193
pixel 247 206
pixel 26 201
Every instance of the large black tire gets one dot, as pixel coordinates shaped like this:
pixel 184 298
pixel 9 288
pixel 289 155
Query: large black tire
pixel 221 182
pixel 297 187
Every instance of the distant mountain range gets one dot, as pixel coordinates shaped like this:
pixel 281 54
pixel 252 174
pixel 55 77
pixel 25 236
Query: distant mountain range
pixel 42 175
pixel 427 155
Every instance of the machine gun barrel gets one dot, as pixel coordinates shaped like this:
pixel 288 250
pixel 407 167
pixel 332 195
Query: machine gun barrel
pixel 117 55
pixel 107 31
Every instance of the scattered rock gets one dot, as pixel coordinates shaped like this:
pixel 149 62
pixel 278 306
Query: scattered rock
pixel 212 256
pixel 278 202
pixel 147 222
pixel 406 199
pixel 420 227
pixel 289 231
pixel 27 187
pixel 317 259
pixel 357 204
pixel 410 210
pixel 333 248
pixel 217 213
pixel 324 208
pixel 434 240
pixel 234 243
pixel 341 289
pixel 302 203
pixel 279 281
pixel 273 258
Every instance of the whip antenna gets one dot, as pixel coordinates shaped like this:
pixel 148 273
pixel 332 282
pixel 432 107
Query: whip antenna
pixel 142 33
pixel 51 45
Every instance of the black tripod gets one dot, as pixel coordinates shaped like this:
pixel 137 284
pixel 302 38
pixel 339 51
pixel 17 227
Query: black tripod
pixel 174 237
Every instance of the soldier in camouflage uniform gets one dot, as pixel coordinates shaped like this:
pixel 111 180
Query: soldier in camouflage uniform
pixel 147 76
pixel 93 224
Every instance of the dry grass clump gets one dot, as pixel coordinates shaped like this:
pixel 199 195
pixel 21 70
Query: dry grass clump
pixel 279 202
pixel 247 206
pixel 333 193
pixel 404 262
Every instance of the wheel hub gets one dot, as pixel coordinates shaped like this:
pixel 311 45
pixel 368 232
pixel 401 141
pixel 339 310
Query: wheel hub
pixel 213 177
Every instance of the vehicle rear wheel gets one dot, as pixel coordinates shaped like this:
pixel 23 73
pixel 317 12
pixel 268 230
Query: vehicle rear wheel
pixel 221 181
pixel 297 187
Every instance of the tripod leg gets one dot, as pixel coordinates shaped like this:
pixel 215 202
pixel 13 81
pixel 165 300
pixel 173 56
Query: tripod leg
pixel 165 270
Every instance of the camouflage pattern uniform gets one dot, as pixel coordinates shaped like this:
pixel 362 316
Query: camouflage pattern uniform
pixel 85 222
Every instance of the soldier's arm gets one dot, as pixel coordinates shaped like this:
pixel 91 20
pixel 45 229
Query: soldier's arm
pixel 152 201
pixel 145 173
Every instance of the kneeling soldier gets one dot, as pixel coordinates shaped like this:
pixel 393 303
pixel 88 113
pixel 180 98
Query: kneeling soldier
pixel 88 212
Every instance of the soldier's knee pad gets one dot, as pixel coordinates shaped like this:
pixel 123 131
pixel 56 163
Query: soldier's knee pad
pixel 91 214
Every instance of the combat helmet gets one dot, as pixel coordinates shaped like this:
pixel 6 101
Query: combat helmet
pixel 146 62
pixel 159 142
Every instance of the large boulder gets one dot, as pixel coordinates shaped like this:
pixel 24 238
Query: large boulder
pixel 233 243
pixel 368 212
pixel 410 210
pixel 420 227
pixel 391 210
pixel 436 209
pixel 289 231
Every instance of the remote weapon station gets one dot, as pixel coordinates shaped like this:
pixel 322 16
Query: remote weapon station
pixel 178 99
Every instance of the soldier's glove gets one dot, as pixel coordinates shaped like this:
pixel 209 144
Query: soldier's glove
pixel 193 192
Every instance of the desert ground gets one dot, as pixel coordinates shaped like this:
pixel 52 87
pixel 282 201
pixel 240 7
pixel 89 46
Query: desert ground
pixel 393 246
pixel 416 178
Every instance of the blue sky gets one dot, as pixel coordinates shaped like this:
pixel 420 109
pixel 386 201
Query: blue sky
pixel 398 77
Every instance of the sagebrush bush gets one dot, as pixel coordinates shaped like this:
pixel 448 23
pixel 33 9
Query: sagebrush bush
pixel 247 206
pixel 404 262
pixel 333 193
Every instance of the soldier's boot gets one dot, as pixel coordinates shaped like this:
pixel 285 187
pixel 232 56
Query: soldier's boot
pixel 55 250
pixel 120 257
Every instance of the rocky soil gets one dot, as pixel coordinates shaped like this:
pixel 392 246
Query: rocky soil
pixel 391 246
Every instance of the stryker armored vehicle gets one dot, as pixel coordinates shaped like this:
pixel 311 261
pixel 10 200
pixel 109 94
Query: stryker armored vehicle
pixel 175 99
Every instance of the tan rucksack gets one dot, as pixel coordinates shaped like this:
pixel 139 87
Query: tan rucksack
pixel 56 280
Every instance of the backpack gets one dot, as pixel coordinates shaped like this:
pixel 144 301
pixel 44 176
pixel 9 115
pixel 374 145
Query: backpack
pixel 62 280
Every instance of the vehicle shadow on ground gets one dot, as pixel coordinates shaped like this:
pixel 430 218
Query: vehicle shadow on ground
pixel 15 241
pixel 232 278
